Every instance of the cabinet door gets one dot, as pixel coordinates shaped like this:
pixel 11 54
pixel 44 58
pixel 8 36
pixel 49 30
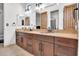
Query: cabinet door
pixel 61 50
pixel 65 47
pixel 47 49
pixel 18 40
pixel 37 47
pixel 66 42
pixel 29 46
pixel 21 41
pixel 24 42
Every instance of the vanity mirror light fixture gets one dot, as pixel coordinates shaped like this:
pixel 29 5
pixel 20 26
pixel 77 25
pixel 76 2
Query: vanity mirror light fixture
pixel 28 9
pixel 40 6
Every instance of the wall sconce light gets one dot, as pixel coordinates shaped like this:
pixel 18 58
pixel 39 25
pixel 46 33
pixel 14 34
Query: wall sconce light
pixel 40 6
pixel 28 9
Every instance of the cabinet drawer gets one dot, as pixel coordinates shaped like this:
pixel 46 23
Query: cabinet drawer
pixel 18 39
pixel 65 51
pixel 29 46
pixel 67 42
pixel 44 38
pixel 29 36
pixel 37 37
pixel 29 42
pixel 19 34
pixel 47 39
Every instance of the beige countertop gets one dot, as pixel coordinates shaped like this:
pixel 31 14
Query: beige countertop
pixel 64 34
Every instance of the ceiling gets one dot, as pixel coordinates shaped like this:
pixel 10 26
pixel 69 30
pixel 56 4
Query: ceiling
pixel 26 4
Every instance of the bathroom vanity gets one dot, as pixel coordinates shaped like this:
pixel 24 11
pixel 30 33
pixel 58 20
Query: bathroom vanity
pixel 38 43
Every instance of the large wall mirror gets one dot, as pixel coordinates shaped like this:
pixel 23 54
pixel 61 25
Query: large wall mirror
pixel 38 20
pixel 54 22
pixel 41 20
pixel 23 21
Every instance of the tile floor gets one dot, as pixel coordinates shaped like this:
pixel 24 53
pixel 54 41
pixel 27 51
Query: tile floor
pixel 13 50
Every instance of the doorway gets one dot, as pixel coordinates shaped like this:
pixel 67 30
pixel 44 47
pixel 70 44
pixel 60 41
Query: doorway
pixel 1 24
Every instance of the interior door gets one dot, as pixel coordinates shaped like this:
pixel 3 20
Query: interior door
pixel 44 20
pixel 69 23
pixel 47 49
pixel 1 22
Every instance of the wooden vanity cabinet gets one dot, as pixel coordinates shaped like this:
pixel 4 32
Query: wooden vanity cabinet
pixel 21 40
pixel 47 45
pixel 29 43
pixel 24 41
pixel 18 39
pixel 42 46
pixel 65 47
pixel 47 49
pixel 37 47
pixel 61 50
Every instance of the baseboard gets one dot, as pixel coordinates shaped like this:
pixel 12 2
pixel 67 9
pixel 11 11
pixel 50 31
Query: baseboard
pixel 9 45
